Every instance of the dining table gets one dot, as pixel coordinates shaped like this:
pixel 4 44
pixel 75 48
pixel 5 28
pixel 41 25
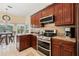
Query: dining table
pixel 6 36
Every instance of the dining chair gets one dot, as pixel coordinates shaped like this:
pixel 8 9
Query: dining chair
pixel 11 37
pixel 2 39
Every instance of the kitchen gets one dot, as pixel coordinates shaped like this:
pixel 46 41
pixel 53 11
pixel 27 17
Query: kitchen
pixel 51 31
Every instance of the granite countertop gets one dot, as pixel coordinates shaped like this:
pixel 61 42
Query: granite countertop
pixel 65 38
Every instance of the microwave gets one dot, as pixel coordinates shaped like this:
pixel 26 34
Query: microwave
pixel 47 19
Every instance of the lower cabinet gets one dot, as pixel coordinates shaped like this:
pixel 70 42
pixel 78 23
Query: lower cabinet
pixel 26 41
pixel 33 41
pixel 56 50
pixel 68 48
pixel 62 48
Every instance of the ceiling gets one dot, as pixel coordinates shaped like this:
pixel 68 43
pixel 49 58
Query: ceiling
pixel 22 9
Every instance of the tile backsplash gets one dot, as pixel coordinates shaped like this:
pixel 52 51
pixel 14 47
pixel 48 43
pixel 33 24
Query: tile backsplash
pixel 60 29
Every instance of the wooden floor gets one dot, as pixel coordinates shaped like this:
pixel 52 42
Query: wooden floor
pixel 11 50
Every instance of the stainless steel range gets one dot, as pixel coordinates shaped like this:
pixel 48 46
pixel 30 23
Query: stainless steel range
pixel 44 42
pixel 44 45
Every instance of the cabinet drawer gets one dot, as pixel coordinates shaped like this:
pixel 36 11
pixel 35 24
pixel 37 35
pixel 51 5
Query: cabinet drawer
pixel 57 41
pixel 70 48
pixel 67 43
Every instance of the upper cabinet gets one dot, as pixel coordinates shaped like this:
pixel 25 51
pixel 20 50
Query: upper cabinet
pixel 68 14
pixel 48 11
pixel 58 14
pixel 39 15
pixel 35 19
pixel 64 14
pixel 44 12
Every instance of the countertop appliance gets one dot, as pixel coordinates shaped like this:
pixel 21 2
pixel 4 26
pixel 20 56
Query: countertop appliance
pixel 70 32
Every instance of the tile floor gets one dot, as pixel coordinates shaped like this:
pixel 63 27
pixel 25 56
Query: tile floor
pixel 10 50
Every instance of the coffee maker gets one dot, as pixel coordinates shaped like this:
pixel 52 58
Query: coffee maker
pixel 70 32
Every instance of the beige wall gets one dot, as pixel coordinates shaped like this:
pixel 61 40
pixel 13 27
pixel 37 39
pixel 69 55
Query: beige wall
pixel 28 20
pixel 14 19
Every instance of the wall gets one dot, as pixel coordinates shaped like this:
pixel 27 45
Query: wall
pixel 28 22
pixel 14 19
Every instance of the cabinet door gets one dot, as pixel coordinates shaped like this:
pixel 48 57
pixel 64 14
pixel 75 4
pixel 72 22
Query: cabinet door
pixel 44 12
pixel 34 42
pixel 50 10
pixel 22 45
pixel 56 47
pixel 38 16
pixel 68 49
pixel 68 13
pixel 22 42
pixel 58 14
pixel 27 41
pixel 35 19
pixel 56 50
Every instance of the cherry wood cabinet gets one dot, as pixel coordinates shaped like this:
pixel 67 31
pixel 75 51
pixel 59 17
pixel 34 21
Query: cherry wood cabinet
pixel 35 19
pixel 38 16
pixel 69 48
pixel 62 48
pixel 55 47
pixel 44 12
pixel 58 14
pixel 48 11
pixel 26 41
pixel 65 14
pixel 68 13
pixel 56 50
pixel 23 42
pixel 33 41
pixel 51 10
